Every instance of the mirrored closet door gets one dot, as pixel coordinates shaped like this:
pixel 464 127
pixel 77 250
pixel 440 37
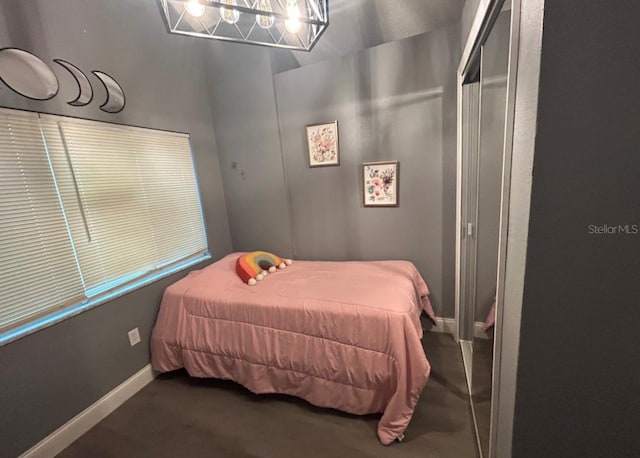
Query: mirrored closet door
pixel 484 89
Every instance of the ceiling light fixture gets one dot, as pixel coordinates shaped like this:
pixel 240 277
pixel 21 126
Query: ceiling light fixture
pixel 194 8
pixel 291 24
pixel 265 21
pixel 229 15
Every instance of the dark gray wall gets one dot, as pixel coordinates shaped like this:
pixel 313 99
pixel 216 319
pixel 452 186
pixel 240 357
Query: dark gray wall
pixel 48 377
pixel 392 102
pixel 240 88
pixel 579 361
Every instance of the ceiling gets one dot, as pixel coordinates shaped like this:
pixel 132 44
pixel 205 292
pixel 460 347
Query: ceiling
pixel 359 24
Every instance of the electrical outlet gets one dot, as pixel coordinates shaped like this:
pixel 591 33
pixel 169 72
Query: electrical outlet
pixel 134 336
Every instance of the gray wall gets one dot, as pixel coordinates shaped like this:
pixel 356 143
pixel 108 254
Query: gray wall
pixel 579 364
pixel 48 377
pixel 361 24
pixel 240 88
pixel 392 102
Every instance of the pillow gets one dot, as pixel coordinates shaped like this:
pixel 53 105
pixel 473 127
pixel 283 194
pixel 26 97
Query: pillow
pixel 253 267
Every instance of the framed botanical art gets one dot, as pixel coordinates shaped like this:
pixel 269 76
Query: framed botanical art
pixel 380 183
pixel 322 140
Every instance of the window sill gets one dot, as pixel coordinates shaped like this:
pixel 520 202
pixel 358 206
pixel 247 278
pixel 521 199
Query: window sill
pixel 60 315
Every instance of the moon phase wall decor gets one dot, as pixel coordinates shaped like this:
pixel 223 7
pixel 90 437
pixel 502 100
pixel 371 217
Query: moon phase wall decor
pixel 85 91
pixel 115 95
pixel 29 76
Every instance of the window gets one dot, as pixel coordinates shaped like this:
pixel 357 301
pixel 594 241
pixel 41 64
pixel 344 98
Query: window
pixel 87 207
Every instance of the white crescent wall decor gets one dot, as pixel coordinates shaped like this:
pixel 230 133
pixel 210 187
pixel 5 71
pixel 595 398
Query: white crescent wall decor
pixel 29 76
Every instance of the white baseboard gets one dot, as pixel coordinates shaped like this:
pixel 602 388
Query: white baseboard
pixel 448 326
pixel 478 331
pixel 444 325
pixel 64 436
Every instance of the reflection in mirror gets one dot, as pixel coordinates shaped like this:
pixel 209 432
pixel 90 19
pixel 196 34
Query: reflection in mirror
pixel 493 100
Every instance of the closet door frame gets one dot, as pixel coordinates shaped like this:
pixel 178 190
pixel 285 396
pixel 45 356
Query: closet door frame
pixel 522 96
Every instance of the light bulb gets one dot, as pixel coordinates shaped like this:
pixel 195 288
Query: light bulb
pixel 264 21
pixel 293 24
pixel 229 15
pixel 194 8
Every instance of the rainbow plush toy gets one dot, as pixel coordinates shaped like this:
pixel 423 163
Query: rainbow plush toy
pixel 253 267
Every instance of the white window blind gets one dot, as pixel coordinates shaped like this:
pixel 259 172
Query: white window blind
pixel 87 206
pixel 38 271
pixel 130 195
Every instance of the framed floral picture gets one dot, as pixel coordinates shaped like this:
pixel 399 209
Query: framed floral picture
pixel 322 140
pixel 380 182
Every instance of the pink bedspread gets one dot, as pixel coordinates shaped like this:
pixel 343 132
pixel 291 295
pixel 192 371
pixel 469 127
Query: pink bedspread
pixel 344 335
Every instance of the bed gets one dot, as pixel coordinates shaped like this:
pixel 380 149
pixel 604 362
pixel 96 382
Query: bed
pixel 344 335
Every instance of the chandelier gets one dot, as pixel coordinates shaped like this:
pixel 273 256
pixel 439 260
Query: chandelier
pixel 291 24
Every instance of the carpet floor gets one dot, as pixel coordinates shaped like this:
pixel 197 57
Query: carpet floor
pixel 179 416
